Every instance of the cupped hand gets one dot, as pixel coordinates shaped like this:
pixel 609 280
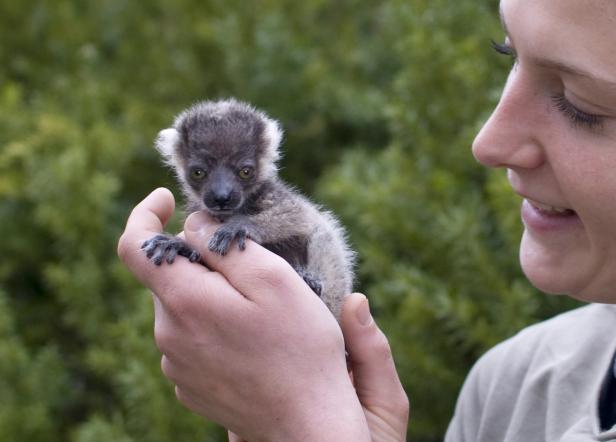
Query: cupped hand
pixel 246 342
pixel 385 404
pixel 376 381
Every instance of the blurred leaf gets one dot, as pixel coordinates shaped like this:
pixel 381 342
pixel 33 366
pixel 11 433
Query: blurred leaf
pixel 379 101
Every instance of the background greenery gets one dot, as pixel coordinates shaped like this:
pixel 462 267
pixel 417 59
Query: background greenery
pixel 380 101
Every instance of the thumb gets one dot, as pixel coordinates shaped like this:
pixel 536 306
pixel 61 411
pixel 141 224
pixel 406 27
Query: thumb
pixel 374 372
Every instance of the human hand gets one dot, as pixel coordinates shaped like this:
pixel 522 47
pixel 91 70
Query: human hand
pixel 385 404
pixel 247 344
pixel 376 381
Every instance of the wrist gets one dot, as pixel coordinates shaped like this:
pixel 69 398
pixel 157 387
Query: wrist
pixel 332 413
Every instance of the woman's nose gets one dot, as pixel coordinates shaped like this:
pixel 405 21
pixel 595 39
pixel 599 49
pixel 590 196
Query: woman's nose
pixel 512 135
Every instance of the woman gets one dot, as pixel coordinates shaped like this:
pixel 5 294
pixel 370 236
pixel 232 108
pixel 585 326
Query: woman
pixel 249 347
pixel 554 130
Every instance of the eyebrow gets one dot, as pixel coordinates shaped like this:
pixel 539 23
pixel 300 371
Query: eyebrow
pixel 552 64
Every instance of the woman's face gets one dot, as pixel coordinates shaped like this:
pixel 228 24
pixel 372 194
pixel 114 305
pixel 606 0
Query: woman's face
pixel 554 130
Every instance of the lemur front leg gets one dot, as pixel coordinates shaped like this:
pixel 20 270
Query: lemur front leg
pixel 313 281
pixel 166 247
pixel 240 228
pixel 237 228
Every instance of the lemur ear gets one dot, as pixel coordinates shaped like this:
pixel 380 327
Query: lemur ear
pixel 166 141
pixel 273 137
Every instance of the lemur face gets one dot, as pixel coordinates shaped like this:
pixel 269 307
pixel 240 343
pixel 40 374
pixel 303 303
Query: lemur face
pixel 220 158
pixel 222 151
pixel 221 184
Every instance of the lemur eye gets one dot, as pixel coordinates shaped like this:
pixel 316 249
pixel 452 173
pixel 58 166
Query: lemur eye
pixel 245 172
pixel 197 173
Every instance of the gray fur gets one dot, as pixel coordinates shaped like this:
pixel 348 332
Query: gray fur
pixel 226 136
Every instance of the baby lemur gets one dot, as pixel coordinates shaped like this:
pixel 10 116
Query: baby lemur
pixel 224 154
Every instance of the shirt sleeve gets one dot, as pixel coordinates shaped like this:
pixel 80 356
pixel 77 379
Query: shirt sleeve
pixel 464 427
pixel 483 392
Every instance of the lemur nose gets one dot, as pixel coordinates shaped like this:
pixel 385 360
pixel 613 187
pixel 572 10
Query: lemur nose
pixel 222 200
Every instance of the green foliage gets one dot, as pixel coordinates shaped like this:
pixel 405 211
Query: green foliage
pixel 437 234
pixel 379 101
pixel 32 383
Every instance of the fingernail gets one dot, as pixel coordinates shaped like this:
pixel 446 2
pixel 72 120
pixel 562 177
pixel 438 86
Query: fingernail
pixel 363 313
pixel 196 221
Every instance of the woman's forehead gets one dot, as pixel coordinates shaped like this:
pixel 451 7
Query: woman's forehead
pixel 578 35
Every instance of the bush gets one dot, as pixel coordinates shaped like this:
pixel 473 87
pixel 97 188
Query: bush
pixel 379 101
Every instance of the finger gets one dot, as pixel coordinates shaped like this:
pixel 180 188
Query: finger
pixel 167 368
pixel 376 380
pixel 166 331
pixel 153 213
pixel 147 219
pixel 234 437
pixel 182 279
pixel 251 271
pixel 190 400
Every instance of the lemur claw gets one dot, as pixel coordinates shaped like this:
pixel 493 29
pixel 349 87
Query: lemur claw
pixel 224 236
pixel 312 281
pixel 166 248
pixel 315 285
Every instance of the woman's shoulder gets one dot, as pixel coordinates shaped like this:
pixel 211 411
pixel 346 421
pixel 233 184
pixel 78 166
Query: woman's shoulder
pixel 569 336
pixel 562 335
pixel 517 386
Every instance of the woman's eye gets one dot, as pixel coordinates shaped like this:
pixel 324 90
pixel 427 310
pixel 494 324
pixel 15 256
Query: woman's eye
pixel 576 116
pixel 245 172
pixel 197 173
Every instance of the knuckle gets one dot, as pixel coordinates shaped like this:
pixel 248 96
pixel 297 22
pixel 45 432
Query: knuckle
pixel 181 307
pixel 165 339
pixel 167 368
pixel 186 399
pixel 123 248
pixel 182 397
pixel 380 346
pixel 273 273
pixel 178 303
pixel 403 405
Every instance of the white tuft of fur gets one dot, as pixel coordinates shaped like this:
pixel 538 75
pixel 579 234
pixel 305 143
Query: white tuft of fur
pixel 272 138
pixel 166 143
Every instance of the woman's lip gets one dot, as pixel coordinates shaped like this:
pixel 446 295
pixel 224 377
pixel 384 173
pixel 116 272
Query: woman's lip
pixel 548 209
pixel 543 218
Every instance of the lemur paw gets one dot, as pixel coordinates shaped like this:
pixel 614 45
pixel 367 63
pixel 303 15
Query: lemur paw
pixel 165 248
pixel 224 236
pixel 313 282
pixel 315 285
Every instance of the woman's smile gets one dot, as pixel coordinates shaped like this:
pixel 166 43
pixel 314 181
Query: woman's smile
pixel 543 218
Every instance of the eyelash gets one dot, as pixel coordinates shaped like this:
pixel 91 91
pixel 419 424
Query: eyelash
pixel 576 116
pixel 560 102
pixel 504 49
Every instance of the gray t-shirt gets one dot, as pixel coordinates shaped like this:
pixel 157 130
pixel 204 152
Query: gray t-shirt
pixel 543 384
